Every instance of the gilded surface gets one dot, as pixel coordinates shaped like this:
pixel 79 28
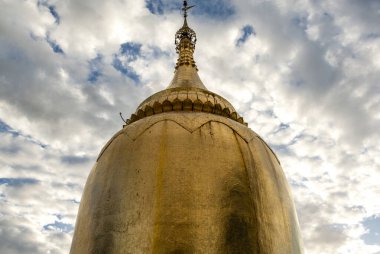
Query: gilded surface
pixel 186 183
pixel 185 99
pixel 186 175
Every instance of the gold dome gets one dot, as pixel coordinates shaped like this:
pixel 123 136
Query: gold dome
pixel 185 175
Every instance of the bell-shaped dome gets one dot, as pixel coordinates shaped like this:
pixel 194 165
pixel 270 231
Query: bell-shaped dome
pixel 186 175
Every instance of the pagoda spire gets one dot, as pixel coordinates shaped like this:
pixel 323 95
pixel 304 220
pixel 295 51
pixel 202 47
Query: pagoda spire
pixel 185 40
pixel 186 69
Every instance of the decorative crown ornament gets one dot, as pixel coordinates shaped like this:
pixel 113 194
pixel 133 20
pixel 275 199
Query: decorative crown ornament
pixel 185 31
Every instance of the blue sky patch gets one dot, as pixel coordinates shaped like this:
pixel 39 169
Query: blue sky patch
pixel 248 31
pixel 284 126
pixel 282 149
pixel 131 50
pixel 54 13
pixel 155 6
pixel 372 224
pixel 216 9
pixel 54 45
pixel 297 184
pixel 74 201
pixel 128 52
pixel 281 127
pixel 18 181
pixel 4 127
pixel 95 66
pixel 125 70
pixel 52 9
pixel 59 226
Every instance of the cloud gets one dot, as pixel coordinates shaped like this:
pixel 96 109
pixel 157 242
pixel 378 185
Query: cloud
pixel 304 74
pixel 17 239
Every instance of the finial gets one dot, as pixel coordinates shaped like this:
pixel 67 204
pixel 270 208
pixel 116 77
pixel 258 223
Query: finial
pixel 185 9
pixel 186 70
pixel 185 33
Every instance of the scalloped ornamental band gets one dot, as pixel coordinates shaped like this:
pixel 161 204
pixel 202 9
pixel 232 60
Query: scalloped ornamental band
pixel 180 99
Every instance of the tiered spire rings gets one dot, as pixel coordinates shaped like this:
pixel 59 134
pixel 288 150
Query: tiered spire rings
pixel 185 40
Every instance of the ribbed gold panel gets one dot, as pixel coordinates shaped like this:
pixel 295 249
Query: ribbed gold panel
pixel 186 183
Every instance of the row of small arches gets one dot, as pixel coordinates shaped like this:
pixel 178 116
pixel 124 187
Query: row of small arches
pixel 185 105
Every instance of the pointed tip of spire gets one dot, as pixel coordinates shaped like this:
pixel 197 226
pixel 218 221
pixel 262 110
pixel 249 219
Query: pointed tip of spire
pixel 185 22
pixel 185 8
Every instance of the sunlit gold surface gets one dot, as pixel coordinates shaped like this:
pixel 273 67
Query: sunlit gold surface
pixel 186 183
pixel 186 175
pixel 186 76
pixel 185 99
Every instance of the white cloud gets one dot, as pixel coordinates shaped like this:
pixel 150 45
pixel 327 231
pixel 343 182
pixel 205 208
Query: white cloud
pixel 307 81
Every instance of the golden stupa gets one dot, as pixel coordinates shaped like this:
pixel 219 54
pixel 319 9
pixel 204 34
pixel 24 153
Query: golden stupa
pixel 186 175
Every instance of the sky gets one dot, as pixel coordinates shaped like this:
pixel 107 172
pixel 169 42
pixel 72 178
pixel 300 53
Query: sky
pixel 304 74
